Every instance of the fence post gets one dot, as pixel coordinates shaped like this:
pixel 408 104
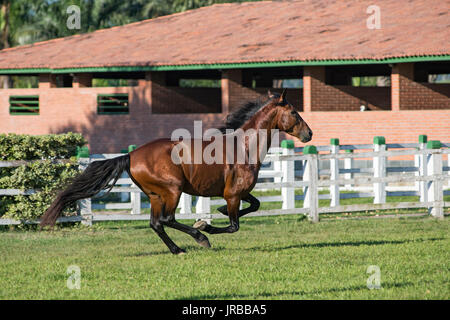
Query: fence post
pixel 434 187
pixel 277 168
pixel 311 199
pixel 135 198
pixel 288 169
pixel 334 173
pixel 84 205
pixel 124 196
pixel 448 172
pixel 185 203
pixel 348 164
pixel 379 170
pixel 203 206
pixel 421 162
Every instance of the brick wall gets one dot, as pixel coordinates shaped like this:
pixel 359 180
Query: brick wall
pixel 361 127
pixel 234 93
pixel 171 99
pixel 75 109
pixel 319 96
pixel 411 95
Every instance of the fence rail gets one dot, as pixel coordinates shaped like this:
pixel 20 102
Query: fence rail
pixel 429 175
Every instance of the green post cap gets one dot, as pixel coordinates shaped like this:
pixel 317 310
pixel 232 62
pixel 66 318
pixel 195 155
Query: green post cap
pixel 379 140
pixel 334 141
pixel 83 152
pixel 310 149
pixel 349 151
pixel 288 144
pixel 131 147
pixel 434 144
pixel 124 151
pixel 423 138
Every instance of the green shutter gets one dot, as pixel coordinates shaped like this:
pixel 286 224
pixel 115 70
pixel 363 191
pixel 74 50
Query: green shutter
pixel 24 105
pixel 116 103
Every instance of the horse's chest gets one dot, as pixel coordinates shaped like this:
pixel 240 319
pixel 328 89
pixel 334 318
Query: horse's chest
pixel 241 180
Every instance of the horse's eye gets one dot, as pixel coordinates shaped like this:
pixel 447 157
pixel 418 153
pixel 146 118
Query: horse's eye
pixel 294 112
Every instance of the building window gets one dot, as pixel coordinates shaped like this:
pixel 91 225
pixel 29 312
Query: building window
pixel 103 82
pixel 24 105
pixel 371 81
pixel 199 83
pixel 64 81
pixel 439 78
pixel 288 83
pixel 116 103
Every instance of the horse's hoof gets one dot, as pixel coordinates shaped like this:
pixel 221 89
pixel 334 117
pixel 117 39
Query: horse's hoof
pixel 180 253
pixel 204 243
pixel 200 225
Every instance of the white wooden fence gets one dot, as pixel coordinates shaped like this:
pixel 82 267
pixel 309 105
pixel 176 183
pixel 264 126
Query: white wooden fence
pixel 428 181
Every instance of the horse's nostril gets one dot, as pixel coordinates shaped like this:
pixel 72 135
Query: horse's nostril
pixel 310 133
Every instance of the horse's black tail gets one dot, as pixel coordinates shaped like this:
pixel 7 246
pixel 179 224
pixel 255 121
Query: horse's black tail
pixel 90 182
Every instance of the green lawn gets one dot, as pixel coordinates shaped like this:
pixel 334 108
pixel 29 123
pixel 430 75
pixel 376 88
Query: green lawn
pixel 284 257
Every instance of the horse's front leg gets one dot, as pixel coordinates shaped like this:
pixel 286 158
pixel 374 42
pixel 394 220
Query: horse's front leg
pixel 233 213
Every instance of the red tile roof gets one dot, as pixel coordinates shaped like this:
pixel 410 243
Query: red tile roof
pixel 252 32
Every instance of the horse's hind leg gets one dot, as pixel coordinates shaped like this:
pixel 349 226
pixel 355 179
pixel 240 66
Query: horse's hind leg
pixel 156 218
pixel 171 202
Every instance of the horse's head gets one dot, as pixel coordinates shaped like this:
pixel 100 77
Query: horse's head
pixel 288 120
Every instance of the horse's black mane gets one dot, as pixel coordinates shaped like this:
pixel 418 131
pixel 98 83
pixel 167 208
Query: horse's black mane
pixel 237 118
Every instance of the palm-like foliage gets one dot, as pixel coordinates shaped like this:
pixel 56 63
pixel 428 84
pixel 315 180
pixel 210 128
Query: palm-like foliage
pixel 36 20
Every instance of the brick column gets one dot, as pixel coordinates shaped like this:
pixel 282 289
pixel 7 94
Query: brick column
pixel 82 80
pixel 402 77
pixel 47 80
pixel 313 80
pixel 234 92
pixel 145 82
pixel 231 88
pixel 157 93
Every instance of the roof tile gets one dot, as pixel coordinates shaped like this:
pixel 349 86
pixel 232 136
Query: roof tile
pixel 252 32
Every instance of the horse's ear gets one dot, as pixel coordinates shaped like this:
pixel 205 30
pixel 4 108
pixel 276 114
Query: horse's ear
pixel 283 96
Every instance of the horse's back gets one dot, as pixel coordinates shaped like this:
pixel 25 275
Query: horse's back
pixel 152 166
pixel 157 165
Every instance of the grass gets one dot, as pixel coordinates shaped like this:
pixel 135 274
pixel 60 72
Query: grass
pixel 283 257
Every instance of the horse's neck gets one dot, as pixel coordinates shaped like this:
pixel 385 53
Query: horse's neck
pixel 263 122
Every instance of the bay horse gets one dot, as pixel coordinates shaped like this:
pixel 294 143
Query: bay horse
pixel 152 169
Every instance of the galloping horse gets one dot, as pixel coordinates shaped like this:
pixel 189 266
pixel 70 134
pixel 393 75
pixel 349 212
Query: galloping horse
pixel 152 169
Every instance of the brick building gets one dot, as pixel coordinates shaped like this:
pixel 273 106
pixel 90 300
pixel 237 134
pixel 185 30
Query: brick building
pixel 200 64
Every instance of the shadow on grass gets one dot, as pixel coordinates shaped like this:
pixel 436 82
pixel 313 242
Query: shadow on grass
pixel 271 295
pixel 342 244
pixel 188 248
pixel 193 248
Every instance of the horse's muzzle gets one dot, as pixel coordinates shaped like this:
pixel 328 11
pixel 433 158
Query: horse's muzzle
pixel 306 137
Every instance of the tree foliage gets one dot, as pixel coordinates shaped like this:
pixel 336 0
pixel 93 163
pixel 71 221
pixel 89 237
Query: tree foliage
pixel 30 21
